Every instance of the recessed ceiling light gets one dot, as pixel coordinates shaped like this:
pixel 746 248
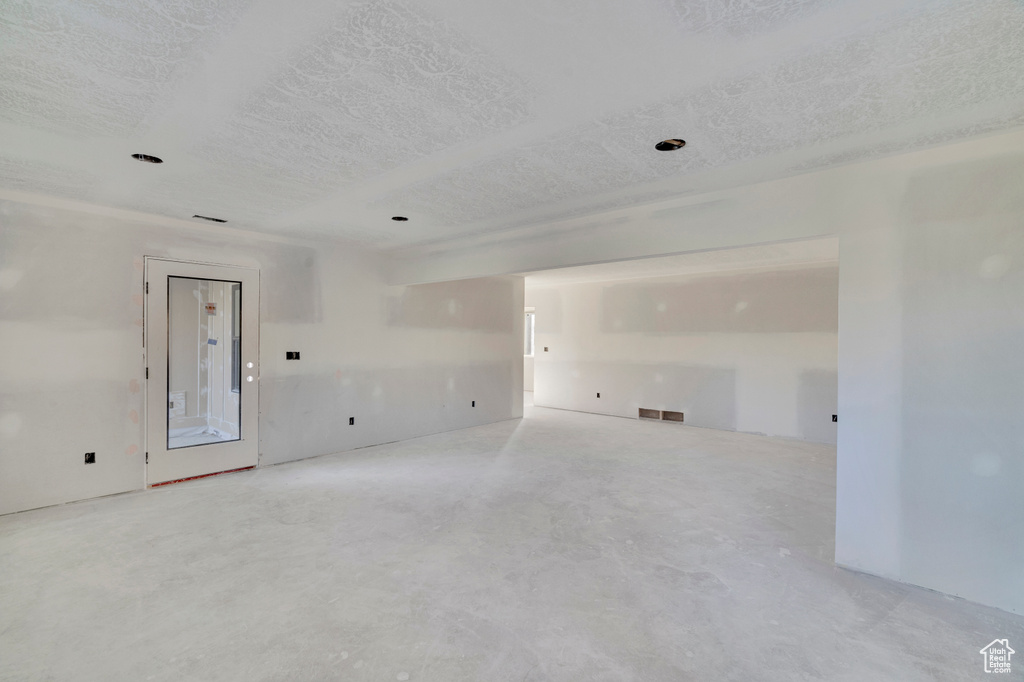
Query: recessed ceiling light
pixel 399 218
pixel 670 145
pixel 147 158
pixel 212 220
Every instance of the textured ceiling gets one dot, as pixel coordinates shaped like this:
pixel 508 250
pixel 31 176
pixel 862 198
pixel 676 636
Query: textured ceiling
pixel 809 252
pixel 327 117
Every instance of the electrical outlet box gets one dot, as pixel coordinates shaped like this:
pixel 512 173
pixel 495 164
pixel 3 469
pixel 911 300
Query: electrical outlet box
pixel 291 355
pixel 351 421
pixel 90 458
pixel 474 403
pixel 598 395
pixel 835 417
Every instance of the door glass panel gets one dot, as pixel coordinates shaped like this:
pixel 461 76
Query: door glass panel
pixel 203 365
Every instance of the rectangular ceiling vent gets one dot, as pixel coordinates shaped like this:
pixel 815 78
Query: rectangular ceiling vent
pixel 212 220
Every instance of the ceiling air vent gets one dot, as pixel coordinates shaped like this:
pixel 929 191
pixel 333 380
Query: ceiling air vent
pixel 146 158
pixel 212 220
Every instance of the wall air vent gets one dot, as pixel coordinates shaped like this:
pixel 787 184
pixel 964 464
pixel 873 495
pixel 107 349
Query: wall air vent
pixel 212 220
pixel 661 415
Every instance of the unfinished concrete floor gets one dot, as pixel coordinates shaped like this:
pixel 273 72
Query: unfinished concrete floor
pixel 564 546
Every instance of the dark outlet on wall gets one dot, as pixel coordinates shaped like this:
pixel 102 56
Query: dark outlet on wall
pixel 545 349
pixel 598 395
pixel 835 417
pixel 291 355
pixel 90 458
pixel 474 403
pixel 351 421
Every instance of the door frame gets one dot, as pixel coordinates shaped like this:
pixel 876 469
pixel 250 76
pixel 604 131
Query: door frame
pixel 166 466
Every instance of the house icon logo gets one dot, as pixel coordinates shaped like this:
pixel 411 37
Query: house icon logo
pixel 997 656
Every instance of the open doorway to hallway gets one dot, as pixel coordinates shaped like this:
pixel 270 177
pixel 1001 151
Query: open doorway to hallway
pixel 743 339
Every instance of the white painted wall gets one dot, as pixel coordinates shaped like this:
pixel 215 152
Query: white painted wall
pixel 752 351
pixel 931 326
pixel 528 359
pixel 403 360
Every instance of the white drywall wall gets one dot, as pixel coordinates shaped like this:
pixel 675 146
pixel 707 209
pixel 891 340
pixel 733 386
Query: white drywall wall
pixel 753 351
pixel 931 326
pixel 404 361
pixel 528 372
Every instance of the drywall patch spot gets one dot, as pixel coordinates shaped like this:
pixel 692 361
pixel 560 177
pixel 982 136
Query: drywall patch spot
pixel 137 299
pixel 10 425
pixel 986 464
pixel 9 278
pixel 662 307
pixel 138 322
pixel 659 379
pixel 994 267
pixel 131 450
pixel 338 374
pixel 133 386
pixel 134 416
pixel 741 306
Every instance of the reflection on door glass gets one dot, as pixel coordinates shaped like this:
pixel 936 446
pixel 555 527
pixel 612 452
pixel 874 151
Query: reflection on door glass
pixel 203 365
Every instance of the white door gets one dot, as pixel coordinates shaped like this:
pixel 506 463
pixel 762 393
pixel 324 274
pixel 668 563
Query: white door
pixel 202 369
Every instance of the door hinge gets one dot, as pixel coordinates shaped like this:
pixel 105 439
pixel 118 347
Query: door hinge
pixel 147 287
pixel 147 374
pixel 147 458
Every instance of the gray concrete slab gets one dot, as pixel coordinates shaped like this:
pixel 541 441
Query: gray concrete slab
pixel 563 546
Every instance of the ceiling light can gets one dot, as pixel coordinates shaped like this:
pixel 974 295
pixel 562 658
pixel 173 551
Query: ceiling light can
pixel 670 145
